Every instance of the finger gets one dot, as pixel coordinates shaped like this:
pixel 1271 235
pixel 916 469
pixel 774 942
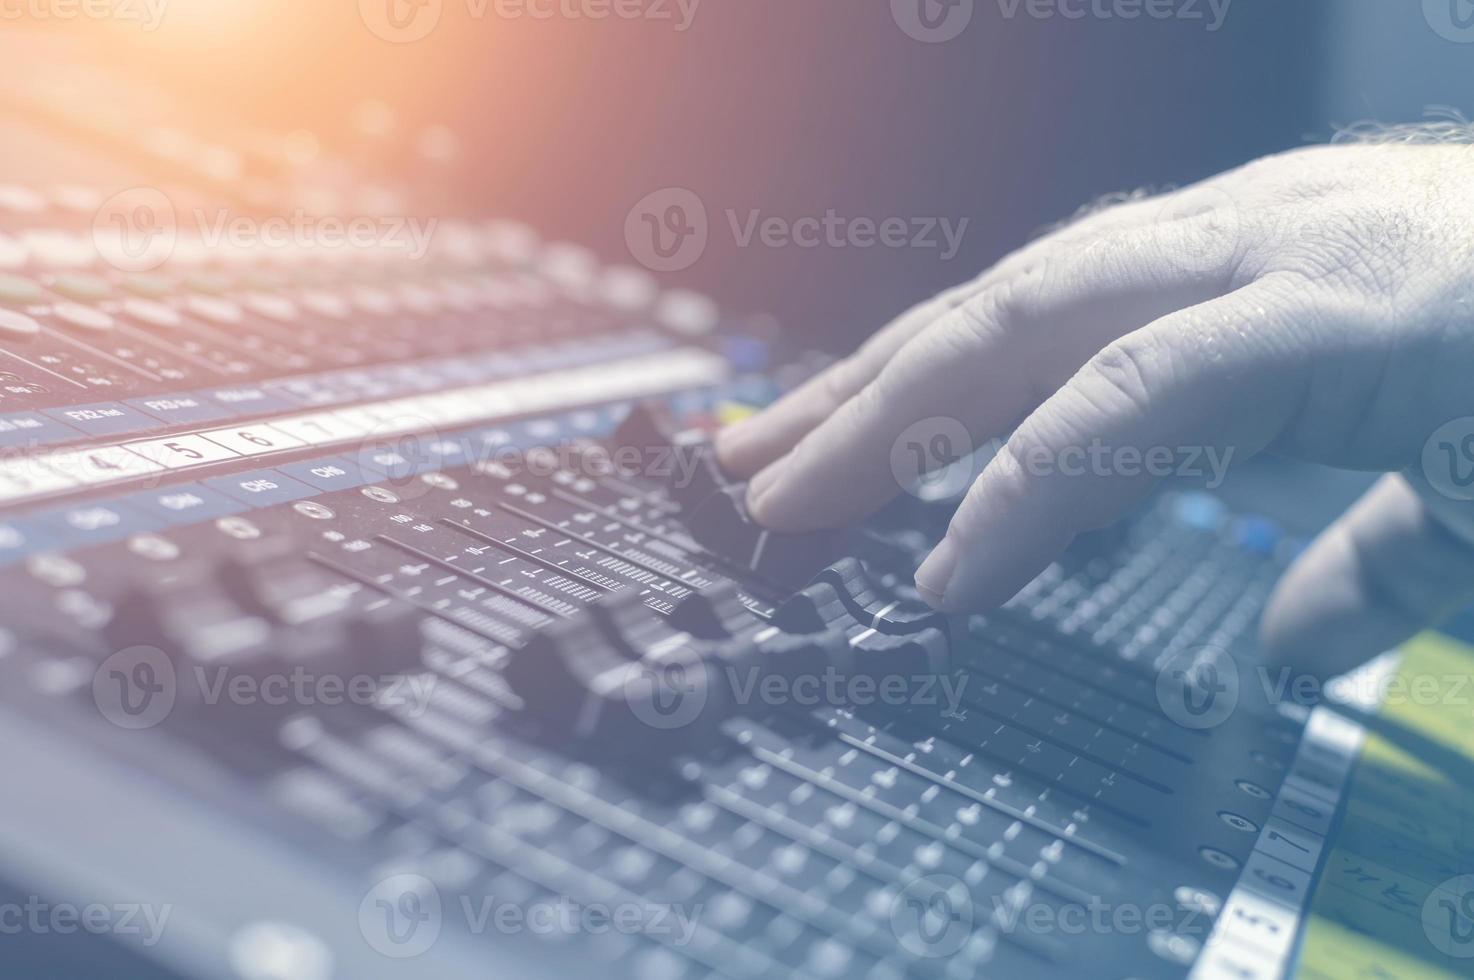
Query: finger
pixel 1386 569
pixel 748 446
pixel 1212 377
pixel 745 448
pixel 985 365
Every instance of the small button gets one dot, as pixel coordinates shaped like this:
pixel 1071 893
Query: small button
pixel 216 310
pixel 1198 900
pixel 152 313
pixel 33 429
pixel 103 418
pixel 260 487
pixel 15 291
pixel 1199 510
pixel 418 299
pixel 1219 859
pixel 1253 789
pixel 1256 535
pixel 375 301
pixel 277 308
pixel 1267 760
pixel 238 527
pixel 206 282
pixel 460 297
pixel 184 503
pixel 181 408
pixel 263 280
pixel 142 284
pixel 17 324
pixel 628 288
pixel 1173 948
pixel 511 241
pixel 77 199
pixel 20 200
pixel 1243 824
pixel 81 287
pixel 279 951
pixel 325 474
pixel 687 313
pixel 59 249
pixel 326 304
pixel 573 267
pixel 12 253
pixel 83 317
pixel 314 510
pixel 153 547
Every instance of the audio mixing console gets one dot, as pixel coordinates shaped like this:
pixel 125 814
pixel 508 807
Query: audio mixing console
pixel 384 616
pixel 479 487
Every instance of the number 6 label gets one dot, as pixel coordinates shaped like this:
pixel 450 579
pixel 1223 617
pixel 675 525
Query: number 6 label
pixel 253 440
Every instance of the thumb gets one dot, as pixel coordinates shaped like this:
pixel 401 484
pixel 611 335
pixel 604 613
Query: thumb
pixel 1401 559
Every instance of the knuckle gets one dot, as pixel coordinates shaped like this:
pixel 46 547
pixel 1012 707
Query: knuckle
pixel 1351 253
pixel 870 403
pixel 986 320
pixel 1122 372
pixel 837 384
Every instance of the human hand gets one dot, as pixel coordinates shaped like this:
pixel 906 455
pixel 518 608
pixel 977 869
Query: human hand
pixel 1318 304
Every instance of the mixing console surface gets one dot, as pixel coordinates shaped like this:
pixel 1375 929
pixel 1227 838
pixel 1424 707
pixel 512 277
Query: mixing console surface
pixel 426 571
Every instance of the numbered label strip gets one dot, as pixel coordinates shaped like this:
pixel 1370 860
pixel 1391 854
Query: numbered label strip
pixel 1254 937
pixel 49 474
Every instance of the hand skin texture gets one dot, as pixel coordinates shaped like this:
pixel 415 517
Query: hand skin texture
pixel 1318 304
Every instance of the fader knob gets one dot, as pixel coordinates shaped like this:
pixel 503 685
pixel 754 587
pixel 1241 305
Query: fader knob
pixel 722 527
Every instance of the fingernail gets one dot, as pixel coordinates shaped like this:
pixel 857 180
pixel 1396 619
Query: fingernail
pixel 935 574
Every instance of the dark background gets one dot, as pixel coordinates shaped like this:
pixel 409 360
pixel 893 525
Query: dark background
pixel 795 107
pixel 789 107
